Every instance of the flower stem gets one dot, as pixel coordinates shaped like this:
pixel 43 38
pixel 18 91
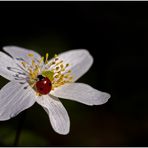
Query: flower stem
pixel 19 128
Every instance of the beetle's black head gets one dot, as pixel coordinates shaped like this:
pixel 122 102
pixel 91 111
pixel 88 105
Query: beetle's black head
pixel 40 77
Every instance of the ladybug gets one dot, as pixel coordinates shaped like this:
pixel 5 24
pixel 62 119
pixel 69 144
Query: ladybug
pixel 43 85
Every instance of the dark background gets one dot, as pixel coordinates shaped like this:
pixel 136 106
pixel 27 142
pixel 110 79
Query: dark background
pixel 116 34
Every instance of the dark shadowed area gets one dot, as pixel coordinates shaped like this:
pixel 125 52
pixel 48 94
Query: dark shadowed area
pixel 116 34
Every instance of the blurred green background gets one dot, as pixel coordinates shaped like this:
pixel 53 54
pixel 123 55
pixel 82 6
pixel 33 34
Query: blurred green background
pixel 116 34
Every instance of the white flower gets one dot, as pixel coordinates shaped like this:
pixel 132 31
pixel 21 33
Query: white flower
pixel 25 68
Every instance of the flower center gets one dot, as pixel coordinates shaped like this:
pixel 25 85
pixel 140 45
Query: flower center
pixel 45 75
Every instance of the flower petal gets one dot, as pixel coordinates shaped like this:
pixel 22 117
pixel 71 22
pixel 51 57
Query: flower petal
pixel 14 99
pixel 81 93
pixel 57 113
pixel 6 62
pixel 19 52
pixel 80 61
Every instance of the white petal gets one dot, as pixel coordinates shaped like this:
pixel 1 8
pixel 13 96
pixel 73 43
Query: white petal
pixel 14 99
pixel 81 93
pixel 80 61
pixel 19 52
pixel 6 62
pixel 57 113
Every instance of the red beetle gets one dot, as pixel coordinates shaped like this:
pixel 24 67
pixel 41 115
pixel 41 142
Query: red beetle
pixel 44 85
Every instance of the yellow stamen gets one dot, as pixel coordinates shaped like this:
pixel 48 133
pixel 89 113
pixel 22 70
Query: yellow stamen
pixel 69 71
pixel 46 58
pixel 33 63
pixel 41 60
pixel 57 68
pixel 37 94
pixel 24 64
pixel 53 63
pixel 61 65
pixel 31 55
pixel 55 56
pixel 67 65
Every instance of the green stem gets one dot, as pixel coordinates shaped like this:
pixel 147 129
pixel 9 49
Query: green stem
pixel 19 128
